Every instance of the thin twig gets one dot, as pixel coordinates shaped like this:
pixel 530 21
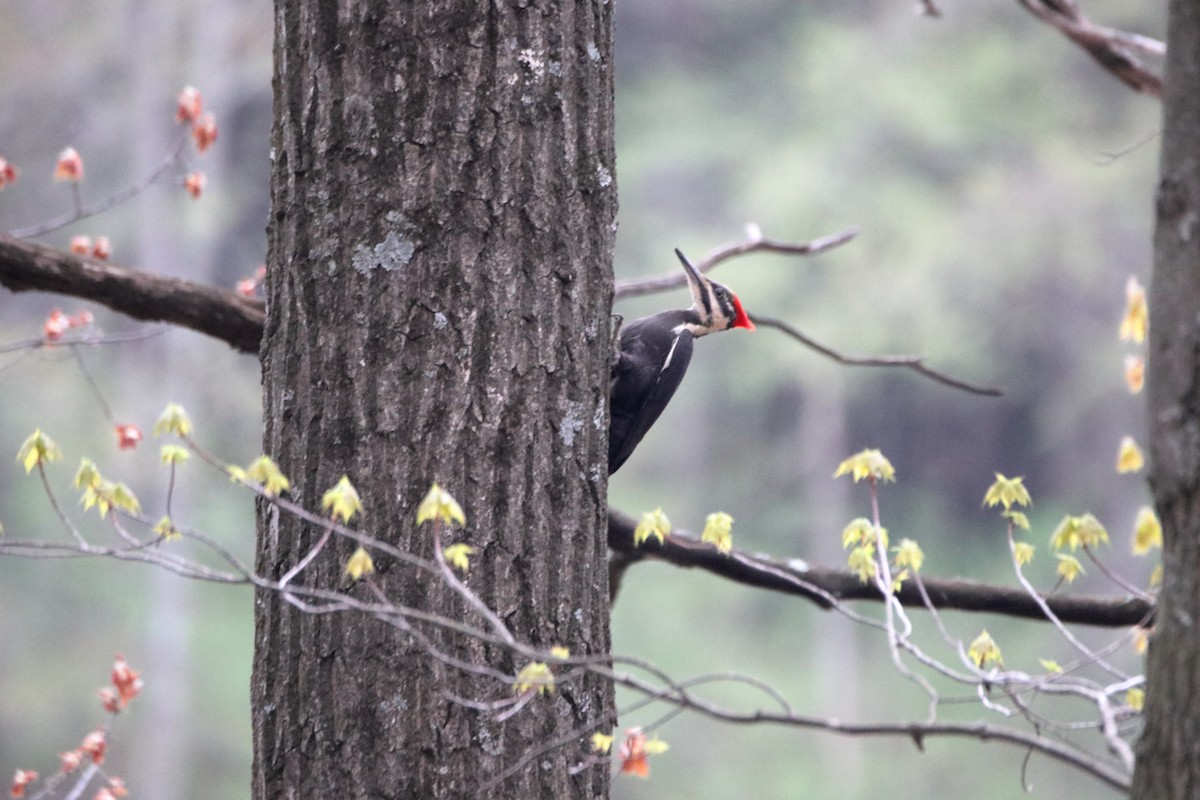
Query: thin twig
pixel 1115 578
pixel 461 588
pixel 1110 156
pixel 915 363
pixel 1054 620
pixel 755 242
pixel 1110 48
pixel 308 557
pixel 115 338
pixel 892 607
pixel 91 382
pixel 927 8
pixel 81 211
pixel 81 784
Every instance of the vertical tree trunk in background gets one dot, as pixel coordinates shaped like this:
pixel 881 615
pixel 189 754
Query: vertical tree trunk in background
pixel 439 296
pixel 1168 755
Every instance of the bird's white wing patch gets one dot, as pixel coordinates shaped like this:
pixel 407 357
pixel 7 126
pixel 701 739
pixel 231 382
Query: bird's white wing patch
pixel 670 353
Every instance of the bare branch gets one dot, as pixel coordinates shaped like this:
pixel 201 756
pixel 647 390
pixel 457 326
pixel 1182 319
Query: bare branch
pixel 915 363
pixel 223 314
pixel 914 730
pixel 825 587
pixel 754 242
pixel 927 8
pixel 1110 48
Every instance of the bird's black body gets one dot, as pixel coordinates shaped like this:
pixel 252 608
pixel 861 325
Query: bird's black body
pixel 653 355
pixel 651 365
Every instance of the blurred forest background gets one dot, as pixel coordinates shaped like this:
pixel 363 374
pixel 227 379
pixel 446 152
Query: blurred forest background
pixel 996 238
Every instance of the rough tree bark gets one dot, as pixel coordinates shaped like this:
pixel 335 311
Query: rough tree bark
pixel 1168 754
pixel 438 309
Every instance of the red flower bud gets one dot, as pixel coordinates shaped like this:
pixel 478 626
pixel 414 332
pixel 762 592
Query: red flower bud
pixel 8 173
pixel 190 104
pixel 204 132
pixel 69 166
pixel 194 183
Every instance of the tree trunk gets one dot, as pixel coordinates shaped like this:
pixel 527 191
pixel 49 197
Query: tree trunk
pixel 1168 754
pixel 438 301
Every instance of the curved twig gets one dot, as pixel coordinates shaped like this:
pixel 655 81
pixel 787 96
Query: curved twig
pixel 915 363
pixel 1110 48
pixel 754 242
pixel 80 211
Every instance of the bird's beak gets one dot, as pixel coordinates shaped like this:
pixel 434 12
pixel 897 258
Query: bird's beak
pixel 695 279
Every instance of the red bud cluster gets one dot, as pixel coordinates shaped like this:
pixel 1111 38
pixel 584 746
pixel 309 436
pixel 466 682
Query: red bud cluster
pixel 82 245
pixel 128 437
pixel 194 183
pixel 126 680
pixel 69 166
pixel 248 286
pixel 21 779
pixel 59 323
pixel 8 173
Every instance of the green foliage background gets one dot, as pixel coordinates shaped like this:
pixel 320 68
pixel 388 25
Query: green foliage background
pixel 996 237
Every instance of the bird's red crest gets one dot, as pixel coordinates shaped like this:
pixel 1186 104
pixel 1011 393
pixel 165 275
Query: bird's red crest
pixel 743 319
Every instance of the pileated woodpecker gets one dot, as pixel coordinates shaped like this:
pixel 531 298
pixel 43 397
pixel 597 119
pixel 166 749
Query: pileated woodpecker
pixel 653 353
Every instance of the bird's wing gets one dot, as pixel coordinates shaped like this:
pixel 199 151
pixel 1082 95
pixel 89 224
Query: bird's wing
pixel 630 421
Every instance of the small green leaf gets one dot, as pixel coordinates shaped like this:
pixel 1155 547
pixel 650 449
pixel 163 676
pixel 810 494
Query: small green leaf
pixel 655 746
pixel 1023 553
pixel 87 475
pixel 122 497
pixel 174 454
pixel 1017 518
pixel 360 564
pixel 166 529
pixel 173 420
pixel 1007 491
pixel 534 675
pixel 862 562
pixel 439 504
pixel 457 556
pixel 718 531
pixel 1069 567
pixel 654 523
pixel 984 652
pixel 601 742
pixel 1073 532
pixel 263 471
pixel 1147 532
pixel 909 554
pixel 1050 666
pixel 342 500
pixel 860 532
pixel 1129 456
pixel 867 464
pixel 38 449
